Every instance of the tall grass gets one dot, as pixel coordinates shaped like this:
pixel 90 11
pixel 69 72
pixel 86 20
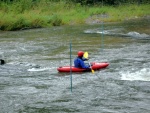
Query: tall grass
pixel 24 14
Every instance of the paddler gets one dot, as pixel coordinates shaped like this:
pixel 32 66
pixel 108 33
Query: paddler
pixel 79 61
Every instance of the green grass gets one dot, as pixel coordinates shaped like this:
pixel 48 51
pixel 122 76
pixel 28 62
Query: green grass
pixel 26 14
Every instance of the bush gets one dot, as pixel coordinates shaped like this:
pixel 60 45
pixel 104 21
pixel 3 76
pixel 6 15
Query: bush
pixel 56 21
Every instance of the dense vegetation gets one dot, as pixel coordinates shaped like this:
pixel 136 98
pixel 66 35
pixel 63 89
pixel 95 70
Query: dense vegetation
pixel 110 2
pixel 87 2
pixel 24 14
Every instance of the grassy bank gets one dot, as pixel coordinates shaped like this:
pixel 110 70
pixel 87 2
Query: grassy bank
pixel 28 14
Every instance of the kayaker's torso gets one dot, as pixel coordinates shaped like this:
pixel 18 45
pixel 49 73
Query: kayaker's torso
pixel 79 63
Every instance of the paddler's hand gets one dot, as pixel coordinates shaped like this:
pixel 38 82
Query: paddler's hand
pixel 85 59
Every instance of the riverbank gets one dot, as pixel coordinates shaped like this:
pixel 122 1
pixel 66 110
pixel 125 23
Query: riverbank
pixel 17 16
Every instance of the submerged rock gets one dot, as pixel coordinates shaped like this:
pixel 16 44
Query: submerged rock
pixel 2 62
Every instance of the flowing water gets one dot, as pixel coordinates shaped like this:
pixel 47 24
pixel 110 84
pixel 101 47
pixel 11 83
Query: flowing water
pixel 30 83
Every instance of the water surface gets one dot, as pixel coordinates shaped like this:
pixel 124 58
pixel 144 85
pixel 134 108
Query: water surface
pixel 30 83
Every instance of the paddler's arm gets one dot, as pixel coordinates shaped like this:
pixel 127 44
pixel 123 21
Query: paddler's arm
pixel 83 65
pixel 85 59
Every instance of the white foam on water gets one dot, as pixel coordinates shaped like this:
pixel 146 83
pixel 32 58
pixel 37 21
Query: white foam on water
pixel 39 69
pixel 118 32
pixel 142 75
pixel 138 35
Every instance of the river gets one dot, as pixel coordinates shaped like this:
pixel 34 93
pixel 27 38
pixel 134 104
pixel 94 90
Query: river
pixel 30 82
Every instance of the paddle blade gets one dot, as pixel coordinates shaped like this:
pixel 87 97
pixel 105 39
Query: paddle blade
pixel 86 55
pixel 92 71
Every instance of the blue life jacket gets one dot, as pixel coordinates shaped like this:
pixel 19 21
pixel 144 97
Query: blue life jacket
pixel 79 63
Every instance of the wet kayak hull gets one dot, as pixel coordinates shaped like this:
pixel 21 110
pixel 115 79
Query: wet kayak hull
pixel 95 66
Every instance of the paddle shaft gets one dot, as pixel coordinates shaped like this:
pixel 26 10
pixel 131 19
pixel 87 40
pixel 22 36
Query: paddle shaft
pixel 91 68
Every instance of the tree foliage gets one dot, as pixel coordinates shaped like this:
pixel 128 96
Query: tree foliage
pixel 88 2
pixel 110 2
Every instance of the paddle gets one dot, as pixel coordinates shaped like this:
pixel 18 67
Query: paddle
pixel 86 56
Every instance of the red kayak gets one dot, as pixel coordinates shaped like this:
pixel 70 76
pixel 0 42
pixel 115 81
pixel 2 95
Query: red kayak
pixel 95 66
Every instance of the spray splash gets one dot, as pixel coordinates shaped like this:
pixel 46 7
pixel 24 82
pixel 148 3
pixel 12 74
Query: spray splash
pixel 141 75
